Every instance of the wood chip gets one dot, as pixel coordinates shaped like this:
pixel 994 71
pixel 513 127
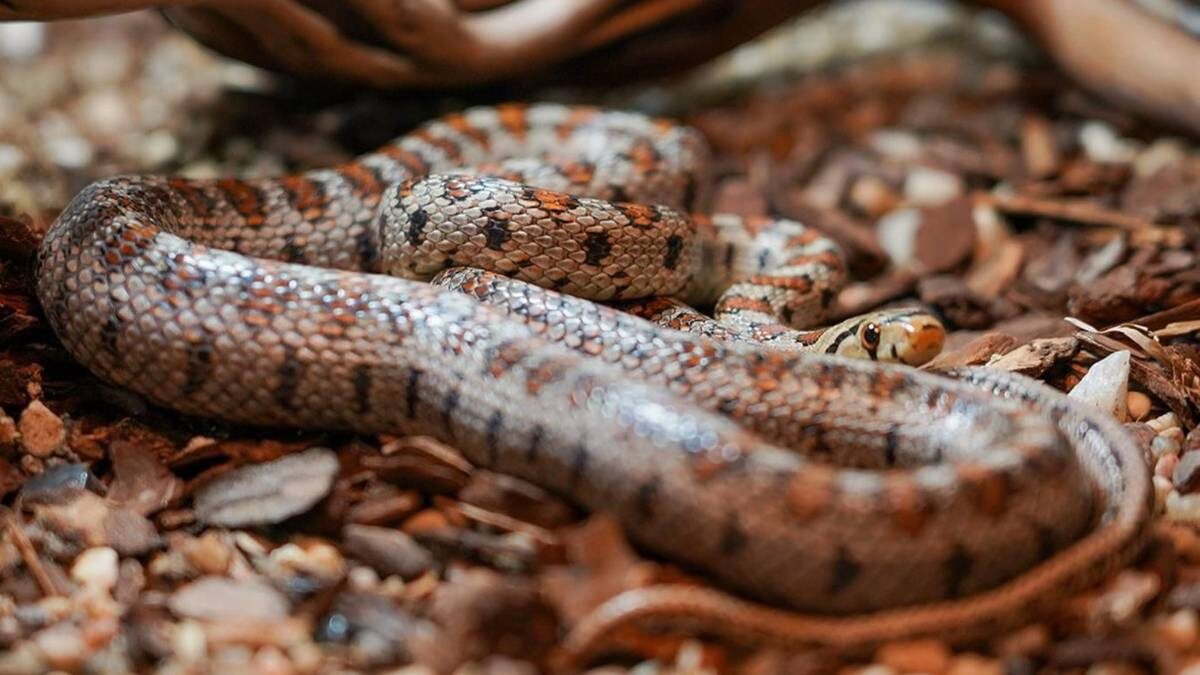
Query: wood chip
pixel 143 484
pixel 1037 357
pixel 42 432
pixel 221 598
pixel 263 494
pixel 387 550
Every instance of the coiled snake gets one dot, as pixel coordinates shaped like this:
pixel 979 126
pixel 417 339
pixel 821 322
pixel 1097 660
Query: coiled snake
pixel 904 504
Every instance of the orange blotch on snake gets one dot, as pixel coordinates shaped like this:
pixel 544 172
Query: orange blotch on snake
pixel 989 488
pixel 907 505
pixel 800 284
pixel 639 214
pixel 810 491
pixel 707 465
pixel 551 201
pixel 512 118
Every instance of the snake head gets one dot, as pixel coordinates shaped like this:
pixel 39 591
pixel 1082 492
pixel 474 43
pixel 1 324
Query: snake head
pixel 908 336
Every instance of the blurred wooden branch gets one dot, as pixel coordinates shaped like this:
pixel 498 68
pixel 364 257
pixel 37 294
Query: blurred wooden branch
pixel 1113 46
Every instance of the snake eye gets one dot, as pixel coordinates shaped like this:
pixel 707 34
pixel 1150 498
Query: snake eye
pixel 870 335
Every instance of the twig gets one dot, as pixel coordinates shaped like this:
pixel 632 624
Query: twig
pixel 1075 211
pixel 29 554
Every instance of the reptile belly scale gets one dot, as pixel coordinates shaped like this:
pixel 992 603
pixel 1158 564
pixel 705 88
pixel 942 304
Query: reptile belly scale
pixel 870 500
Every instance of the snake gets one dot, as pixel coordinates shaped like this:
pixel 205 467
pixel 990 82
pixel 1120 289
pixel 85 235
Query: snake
pixel 517 281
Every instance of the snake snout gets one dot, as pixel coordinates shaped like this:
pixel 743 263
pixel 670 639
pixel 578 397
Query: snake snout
pixel 913 338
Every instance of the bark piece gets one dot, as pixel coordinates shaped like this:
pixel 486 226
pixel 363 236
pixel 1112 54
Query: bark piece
pixel 263 494
pixel 220 598
pixel 387 550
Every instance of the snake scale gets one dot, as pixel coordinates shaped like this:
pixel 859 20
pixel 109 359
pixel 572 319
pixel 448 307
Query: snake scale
pixel 865 501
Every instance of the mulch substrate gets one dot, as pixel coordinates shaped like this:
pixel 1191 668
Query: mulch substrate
pixel 996 195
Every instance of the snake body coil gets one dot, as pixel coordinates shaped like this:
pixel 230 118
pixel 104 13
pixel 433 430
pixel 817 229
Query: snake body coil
pixel 907 504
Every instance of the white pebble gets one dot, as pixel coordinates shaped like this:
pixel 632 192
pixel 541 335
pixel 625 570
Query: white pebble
pixel 1106 385
pixel 157 147
pixel 1161 153
pixel 189 641
pixel 1163 422
pixel 897 233
pixel 1183 507
pixel 1167 442
pixel 1163 489
pixel 11 159
pixel 1102 144
pixel 96 568
pixel 21 39
pixel 897 145
pixel 105 112
pixel 69 152
pixel 931 187
pixel 1165 466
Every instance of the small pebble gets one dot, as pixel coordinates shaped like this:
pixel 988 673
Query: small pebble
pixel 872 196
pixel 1114 668
pixel 158 147
pixel 427 520
pixel 313 558
pixel 1167 442
pixel 62 646
pixel 1165 465
pixel 209 553
pixel 362 578
pixel 96 569
pixel 974 664
pixel 916 656
pixel 21 39
pixel 1031 640
pixel 1183 507
pixel 1138 405
pixel 1162 489
pixel 896 144
pixel 270 660
pixel 897 232
pixel 931 187
pixel 70 152
pixel 105 112
pixel 1106 385
pixel 1186 475
pixel 42 432
pixel 1125 596
pixel 417 669
pixel 306 656
pixel 1180 629
pixel 9 432
pixel 189 641
pixel 1163 422
pixel 1162 152
pixel 1102 144
pixel 12 159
